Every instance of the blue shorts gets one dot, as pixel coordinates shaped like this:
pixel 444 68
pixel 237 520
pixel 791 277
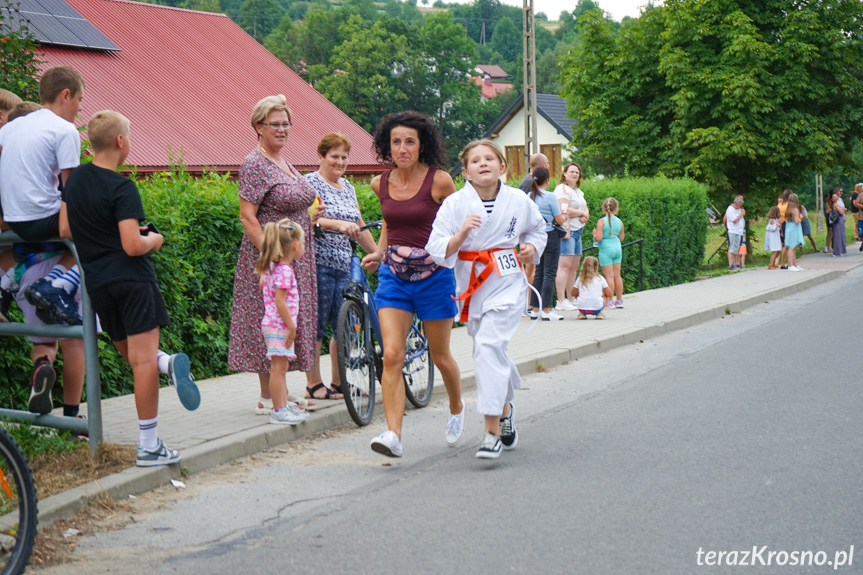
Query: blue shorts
pixel 430 298
pixel 331 284
pixel 572 246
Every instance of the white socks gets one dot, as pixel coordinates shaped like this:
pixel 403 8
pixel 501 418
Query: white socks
pixel 163 359
pixel 65 279
pixel 148 433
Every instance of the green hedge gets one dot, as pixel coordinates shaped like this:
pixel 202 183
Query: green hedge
pixel 668 213
pixel 195 268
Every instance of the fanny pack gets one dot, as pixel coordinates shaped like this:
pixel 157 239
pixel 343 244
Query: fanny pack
pixel 410 264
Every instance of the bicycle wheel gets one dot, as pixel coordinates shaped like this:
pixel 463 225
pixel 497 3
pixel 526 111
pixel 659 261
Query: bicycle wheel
pixel 356 361
pixel 18 507
pixel 418 370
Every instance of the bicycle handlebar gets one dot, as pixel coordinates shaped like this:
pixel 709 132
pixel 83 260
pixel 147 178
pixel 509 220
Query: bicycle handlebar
pixel 371 225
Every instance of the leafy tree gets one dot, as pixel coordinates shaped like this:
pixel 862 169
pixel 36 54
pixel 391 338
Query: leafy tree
pixel 545 40
pixel 365 9
pixel 412 14
pixel 507 39
pixel 203 5
pixel 440 70
pixel 298 10
pixel 284 43
pixel 319 36
pixel 359 79
pixel 742 96
pixel 260 17
pixel 20 63
pixel 393 8
pixel 547 72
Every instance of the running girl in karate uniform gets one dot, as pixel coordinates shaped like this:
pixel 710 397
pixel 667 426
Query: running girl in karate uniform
pixel 477 231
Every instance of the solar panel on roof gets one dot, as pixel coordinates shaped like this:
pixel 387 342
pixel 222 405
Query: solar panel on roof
pixel 56 22
pixel 50 27
pixel 59 8
pixel 88 33
pixel 30 6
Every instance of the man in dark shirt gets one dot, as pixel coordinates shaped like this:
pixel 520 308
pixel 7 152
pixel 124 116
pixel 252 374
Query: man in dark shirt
pixel 536 161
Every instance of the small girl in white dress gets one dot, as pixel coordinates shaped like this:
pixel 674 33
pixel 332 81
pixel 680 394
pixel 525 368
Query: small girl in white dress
pixel 772 240
pixel 591 290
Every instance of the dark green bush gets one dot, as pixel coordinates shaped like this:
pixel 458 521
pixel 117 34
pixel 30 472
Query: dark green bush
pixel 668 213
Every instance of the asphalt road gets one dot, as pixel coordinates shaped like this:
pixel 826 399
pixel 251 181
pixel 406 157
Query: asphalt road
pixel 740 433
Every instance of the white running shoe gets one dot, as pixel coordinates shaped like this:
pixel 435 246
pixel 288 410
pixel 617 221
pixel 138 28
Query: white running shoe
pixel 455 427
pixel 532 314
pixel 551 316
pixel 387 443
pixel 490 447
pixel 287 416
pixel 564 305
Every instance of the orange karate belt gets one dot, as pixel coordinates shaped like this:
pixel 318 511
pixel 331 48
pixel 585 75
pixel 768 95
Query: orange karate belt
pixel 483 257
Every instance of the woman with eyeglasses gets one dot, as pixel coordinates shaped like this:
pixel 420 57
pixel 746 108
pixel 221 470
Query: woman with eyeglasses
pixel 271 189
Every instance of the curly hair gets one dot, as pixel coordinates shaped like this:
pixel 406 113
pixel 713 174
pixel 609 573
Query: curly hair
pixel 432 151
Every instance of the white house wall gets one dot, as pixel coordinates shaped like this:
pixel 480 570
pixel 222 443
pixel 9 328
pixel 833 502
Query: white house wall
pixel 512 134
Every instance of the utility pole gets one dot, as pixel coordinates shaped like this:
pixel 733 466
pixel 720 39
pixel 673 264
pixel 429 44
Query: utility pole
pixel 819 203
pixel 531 145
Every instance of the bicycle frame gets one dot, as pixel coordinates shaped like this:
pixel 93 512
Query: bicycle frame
pixel 359 290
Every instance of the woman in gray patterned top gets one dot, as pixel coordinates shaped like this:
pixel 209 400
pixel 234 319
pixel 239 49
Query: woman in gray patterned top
pixel 333 252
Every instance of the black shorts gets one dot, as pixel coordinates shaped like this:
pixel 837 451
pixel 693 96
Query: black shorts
pixel 38 230
pixel 129 308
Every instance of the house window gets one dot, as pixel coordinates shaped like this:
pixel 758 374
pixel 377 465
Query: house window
pixel 515 168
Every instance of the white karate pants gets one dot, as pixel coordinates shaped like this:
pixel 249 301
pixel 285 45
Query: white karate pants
pixel 496 375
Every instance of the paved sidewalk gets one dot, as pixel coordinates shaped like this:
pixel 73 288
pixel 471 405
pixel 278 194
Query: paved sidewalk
pixel 225 426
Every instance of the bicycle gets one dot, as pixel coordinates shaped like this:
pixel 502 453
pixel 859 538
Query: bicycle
pixel 19 512
pixel 360 354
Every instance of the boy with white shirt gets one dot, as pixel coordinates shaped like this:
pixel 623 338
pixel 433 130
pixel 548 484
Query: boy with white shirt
pixel 736 230
pixel 38 152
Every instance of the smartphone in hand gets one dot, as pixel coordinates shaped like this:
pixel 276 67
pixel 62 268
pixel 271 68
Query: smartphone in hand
pixel 151 227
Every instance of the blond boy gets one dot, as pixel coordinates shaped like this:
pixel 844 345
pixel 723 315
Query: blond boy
pixel 103 210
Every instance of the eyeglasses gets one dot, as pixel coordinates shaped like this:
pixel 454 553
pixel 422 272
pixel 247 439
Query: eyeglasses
pixel 276 126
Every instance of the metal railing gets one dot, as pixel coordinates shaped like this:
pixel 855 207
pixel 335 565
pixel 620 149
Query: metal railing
pixel 92 426
pixel 639 265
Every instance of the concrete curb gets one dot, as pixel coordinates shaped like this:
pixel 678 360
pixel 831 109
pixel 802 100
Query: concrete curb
pixel 228 448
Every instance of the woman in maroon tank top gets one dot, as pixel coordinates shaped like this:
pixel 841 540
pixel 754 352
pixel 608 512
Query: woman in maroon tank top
pixel 409 282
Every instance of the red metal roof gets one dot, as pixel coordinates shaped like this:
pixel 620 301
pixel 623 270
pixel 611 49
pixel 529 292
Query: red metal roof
pixel 189 80
pixel 490 90
pixel 493 70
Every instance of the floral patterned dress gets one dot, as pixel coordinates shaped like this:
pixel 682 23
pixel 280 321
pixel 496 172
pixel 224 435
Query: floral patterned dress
pixel 277 196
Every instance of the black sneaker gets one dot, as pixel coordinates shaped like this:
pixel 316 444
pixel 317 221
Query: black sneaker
pixel 6 298
pixel 508 432
pixel 43 382
pixel 161 455
pixel 490 447
pixel 53 305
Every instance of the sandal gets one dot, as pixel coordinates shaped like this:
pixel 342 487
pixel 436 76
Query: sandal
pixel 310 392
pixel 355 391
pixel 264 406
pixel 302 402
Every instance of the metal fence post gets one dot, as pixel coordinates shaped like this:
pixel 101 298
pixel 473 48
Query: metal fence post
pixel 93 424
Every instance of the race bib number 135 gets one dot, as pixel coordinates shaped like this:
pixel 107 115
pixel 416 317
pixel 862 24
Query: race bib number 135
pixel 506 262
